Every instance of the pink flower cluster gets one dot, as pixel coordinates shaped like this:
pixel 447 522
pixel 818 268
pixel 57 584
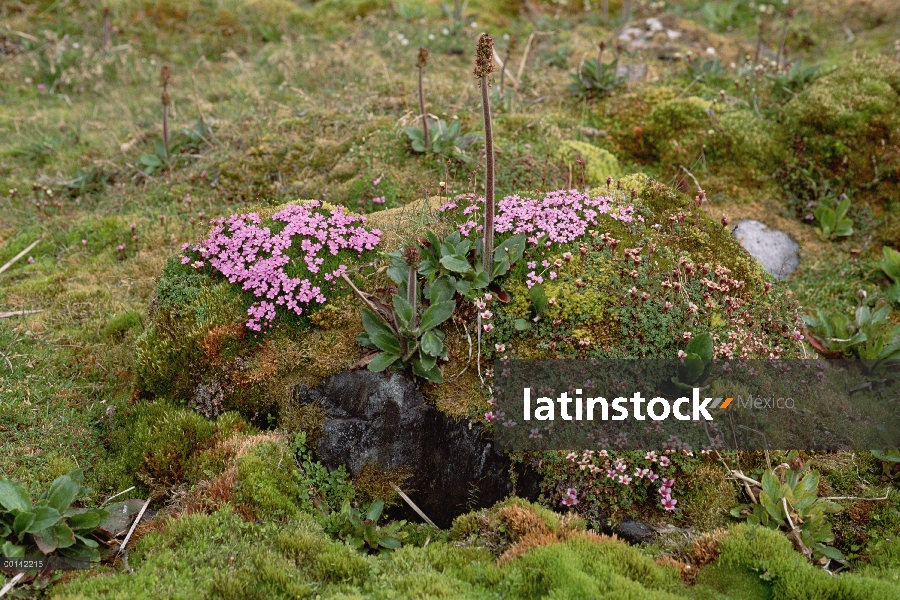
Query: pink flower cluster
pixel 617 470
pixel 256 258
pixel 571 497
pixel 562 216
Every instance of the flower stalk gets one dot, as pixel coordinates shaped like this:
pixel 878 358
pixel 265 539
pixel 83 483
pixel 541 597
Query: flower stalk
pixel 484 66
pixel 788 15
pixel 165 74
pixel 421 62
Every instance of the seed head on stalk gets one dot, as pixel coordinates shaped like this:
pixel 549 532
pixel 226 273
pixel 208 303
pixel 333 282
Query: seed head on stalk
pixel 421 62
pixel 484 66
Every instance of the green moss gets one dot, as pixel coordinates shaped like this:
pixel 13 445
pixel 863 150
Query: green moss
pixel 120 324
pixel 598 163
pixel 269 484
pixel 157 443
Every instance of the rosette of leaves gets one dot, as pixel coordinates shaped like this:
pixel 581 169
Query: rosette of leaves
pixel 446 140
pixel 362 532
pixel 413 338
pixel 789 502
pixel 698 354
pixel 833 220
pixel 184 143
pixel 457 258
pixel 891 267
pixel 591 80
pixel 868 336
pixel 49 526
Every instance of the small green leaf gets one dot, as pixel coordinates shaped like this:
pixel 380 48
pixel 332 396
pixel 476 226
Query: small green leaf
pixel 770 485
pixel 437 314
pixel 463 287
pixel 10 550
pixel 13 497
pixel 702 346
pixel 44 517
pixel 402 309
pixel 811 481
pixel 62 492
pixel 828 551
pixel 481 280
pixel 22 522
pixel 89 519
pixel 375 509
pixel 414 133
pixel 382 361
pixel 389 542
pixel 379 333
pixel 432 344
pixel 426 362
pixel 522 324
pixel 538 298
pixel 434 375
pixel 456 264
pixel 441 290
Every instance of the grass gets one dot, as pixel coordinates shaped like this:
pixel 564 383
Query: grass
pixel 309 100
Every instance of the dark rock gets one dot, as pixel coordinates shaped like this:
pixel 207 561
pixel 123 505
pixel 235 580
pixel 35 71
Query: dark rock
pixel 382 420
pixel 634 532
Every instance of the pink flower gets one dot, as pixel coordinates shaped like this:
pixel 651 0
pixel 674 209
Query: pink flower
pixel 378 200
pixel 376 181
pixel 651 477
pixel 664 461
pixel 665 491
pixel 501 348
pixel 488 327
pixel 489 416
pixel 624 479
pixel 668 482
pixel 669 503
pixel 571 456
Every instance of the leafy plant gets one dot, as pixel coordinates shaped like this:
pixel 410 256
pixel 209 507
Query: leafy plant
pixel 833 221
pixel 456 257
pixel 789 502
pixel 360 530
pixel 185 142
pixel 891 267
pixel 697 355
pixel 446 140
pixel 596 79
pixel 786 84
pixel 890 462
pixel 869 336
pixel 408 333
pixel 49 525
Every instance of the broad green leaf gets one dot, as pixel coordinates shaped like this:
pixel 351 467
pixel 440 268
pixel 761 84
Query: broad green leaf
pixel 501 267
pixel 441 290
pixel 432 344
pixel 434 375
pixel 511 248
pixel 389 542
pixel 62 492
pixel 437 314
pixel 691 369
pixel 463 287
pixel 44 517
pixel 86 541
pixel 770 485
pixel 891 264
pixel 364 341
pixel 811 481
pixel 382 361
pixel 702 346
pixel 456 264
pixel 80 552
pixel 151 161
pixel 89 519
pixel 538 298
pixel 10 550
pixel 828 551
pixel 463 247
pixel 14 497
pixel 426 362
pixel 22 522
pixel 375 509
pixel 862 314
pixel 522 324
pixel 402 309
pixel 481 280
pixel 379 333
pixel 415 134
pixel 804 502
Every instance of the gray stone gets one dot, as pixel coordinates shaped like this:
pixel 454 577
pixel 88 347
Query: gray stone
pixel 634 532
pixel 382 420
pixel 774 249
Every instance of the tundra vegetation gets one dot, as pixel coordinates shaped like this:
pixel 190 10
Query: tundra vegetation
pixel 206 204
